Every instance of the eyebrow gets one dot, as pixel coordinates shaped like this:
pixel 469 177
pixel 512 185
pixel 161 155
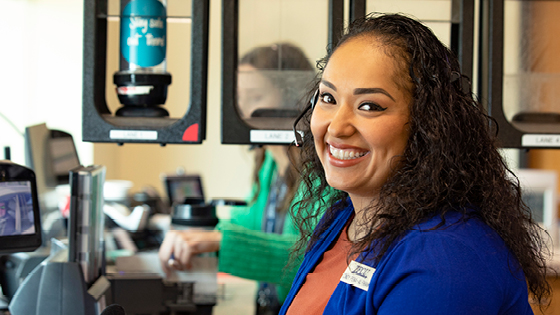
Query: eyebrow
pixel 372 91
pixel 330 85
pixel 361 90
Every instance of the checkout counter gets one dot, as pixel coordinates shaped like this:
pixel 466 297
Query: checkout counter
pixel 139 284
pixel 78 275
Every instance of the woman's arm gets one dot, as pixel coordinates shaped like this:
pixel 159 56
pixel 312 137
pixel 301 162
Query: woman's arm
pixel 256 255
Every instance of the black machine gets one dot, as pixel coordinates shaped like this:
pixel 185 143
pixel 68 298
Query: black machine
pixel 60 284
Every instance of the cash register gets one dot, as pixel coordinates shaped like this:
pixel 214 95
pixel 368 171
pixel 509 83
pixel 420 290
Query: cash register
pixel 57 285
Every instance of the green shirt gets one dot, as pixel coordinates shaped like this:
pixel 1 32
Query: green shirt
pixel 248 252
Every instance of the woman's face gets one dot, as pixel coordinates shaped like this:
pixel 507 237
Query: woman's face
pixel 255 91
pixel 360 122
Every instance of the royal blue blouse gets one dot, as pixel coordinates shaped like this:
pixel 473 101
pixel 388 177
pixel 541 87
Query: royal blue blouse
pixel 460 267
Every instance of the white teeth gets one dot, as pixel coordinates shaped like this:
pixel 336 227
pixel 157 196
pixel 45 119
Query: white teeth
pixel 345 154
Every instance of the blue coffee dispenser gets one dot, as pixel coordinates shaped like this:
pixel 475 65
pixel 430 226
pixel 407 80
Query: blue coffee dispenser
pixel 142 80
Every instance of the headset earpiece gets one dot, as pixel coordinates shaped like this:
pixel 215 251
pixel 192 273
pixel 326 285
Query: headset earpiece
pixel 315 99
pixel 312 102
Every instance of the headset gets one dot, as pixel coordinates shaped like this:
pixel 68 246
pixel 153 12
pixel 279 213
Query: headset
pixel 312 102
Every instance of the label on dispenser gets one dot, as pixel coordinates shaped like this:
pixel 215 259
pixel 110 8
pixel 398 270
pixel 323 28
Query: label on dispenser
pixel 133 134
pixel 272 136
pixel 542 140
pixel 134 90
pixel 143 32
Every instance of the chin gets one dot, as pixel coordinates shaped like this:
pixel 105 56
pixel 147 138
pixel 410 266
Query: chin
pixel 338 185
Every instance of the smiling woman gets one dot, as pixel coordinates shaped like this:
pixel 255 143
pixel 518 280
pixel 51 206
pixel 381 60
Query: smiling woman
pixel 360 121
pixel 426 219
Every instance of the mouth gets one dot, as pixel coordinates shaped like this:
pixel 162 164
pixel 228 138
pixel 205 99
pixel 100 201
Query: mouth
pixel 346 154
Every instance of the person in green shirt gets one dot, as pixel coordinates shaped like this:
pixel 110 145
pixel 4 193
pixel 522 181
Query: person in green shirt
pixel 256 243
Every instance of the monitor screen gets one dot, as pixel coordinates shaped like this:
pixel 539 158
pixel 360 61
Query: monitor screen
pixel 180 187
pixel 16 208
pixel 20 224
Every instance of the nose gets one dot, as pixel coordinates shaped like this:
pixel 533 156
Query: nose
pixel 342 122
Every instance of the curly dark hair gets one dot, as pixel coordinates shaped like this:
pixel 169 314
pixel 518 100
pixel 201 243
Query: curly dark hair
pixel 451 161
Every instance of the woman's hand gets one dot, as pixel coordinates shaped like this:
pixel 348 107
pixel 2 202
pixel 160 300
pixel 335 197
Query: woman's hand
pixel 179 246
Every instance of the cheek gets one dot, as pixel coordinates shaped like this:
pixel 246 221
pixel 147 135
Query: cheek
pixel 318 132
pixel 313 124
pixel 403 137
pixel 387 142
pixel 317 126
pixel 398 142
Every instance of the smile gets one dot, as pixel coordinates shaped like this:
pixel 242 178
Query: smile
pixel 346 154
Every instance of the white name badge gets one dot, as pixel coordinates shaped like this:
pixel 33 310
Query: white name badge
pixel 358 275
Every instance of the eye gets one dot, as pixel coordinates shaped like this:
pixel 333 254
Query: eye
pixel 327 98
pixel 371 107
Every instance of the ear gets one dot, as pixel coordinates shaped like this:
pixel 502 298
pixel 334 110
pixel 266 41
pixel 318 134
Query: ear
pixel 298 139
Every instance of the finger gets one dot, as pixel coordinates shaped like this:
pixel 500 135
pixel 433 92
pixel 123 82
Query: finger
pixel 184 256
pixel 166 250
pixel 173 262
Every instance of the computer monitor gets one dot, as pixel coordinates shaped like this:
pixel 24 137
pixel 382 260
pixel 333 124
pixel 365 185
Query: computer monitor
pixel 179 187
pixel 20 224
pixel 539 192
pixel 38 158
pixel 86 221
pixel 51 154
pixel 64 156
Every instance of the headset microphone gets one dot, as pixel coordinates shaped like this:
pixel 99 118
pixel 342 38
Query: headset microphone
pixel 314 99
pixel 113 309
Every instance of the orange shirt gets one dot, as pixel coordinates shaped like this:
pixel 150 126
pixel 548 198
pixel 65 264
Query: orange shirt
pixel 319 285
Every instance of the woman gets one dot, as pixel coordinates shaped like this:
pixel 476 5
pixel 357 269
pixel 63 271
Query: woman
pixel 426 220
pixel 256 243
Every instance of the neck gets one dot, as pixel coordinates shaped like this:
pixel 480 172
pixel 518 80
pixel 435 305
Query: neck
pixel 358 229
